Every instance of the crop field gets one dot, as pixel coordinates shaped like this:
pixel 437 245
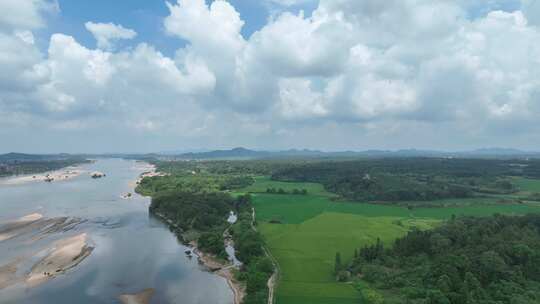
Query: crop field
pixel 307 231
pixel 306 253
pixel 527 184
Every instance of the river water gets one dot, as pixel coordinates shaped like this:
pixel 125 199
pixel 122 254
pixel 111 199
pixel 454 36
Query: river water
pixel 133 251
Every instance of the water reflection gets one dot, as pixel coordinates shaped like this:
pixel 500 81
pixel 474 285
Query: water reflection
pixel 133 251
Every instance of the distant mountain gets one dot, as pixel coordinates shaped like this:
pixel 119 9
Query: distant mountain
pixel 500 151
pixel 226 154
pixel 179 152
pixel 243 153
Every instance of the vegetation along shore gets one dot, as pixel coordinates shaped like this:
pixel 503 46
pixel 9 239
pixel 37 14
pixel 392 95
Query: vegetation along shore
pixel 333 228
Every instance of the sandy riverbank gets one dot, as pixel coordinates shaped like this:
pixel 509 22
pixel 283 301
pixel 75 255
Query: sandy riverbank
pixel 18 226
pixel 142 297
pixel 53 260
pixel 62 256
pixel 36 226
pixel 53 176
pixel 150 171
pixel 8 274
pixel 223 269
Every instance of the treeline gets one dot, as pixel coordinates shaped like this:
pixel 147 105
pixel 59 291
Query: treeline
pixel 282 191
pixel 201 211
pixel 468 260
pixel 195 183
pixel 411 179
pixel 19 167
pixel 226 167
pixel 457 167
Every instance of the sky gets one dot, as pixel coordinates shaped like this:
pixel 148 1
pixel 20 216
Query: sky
pixel 149 76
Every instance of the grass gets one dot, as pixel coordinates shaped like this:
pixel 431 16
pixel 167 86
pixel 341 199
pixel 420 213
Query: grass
pixel 306 253
pixel 527 184
pixel 316 293
pixel 289 209
pixel 313 228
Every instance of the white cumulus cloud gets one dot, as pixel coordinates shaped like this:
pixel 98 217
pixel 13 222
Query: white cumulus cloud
pixel 27 14
pixel 107 34
pixel 370 69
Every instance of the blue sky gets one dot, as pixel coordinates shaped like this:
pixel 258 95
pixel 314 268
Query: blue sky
pixel 146 18
pixel 142 76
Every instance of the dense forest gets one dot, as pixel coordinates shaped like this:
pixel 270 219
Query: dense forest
pixel 411 179
pixel 201 216
pixel 467 260
pixel 193 183
pixel 193 211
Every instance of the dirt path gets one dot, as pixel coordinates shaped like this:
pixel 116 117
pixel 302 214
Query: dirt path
pixel 272 282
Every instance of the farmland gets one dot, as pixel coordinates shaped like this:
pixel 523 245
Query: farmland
pixel 305 232
pixel 310 213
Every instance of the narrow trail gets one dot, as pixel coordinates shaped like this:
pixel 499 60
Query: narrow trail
pixel 272 281
pixel 238 292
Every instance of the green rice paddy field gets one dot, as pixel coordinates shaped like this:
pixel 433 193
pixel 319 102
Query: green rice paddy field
pixel 527 185
pixel 308 230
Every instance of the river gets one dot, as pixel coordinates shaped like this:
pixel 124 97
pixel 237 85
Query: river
pixel 132 250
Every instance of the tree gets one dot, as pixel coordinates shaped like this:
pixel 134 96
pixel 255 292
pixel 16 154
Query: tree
pixel 473 291
pixel 337 266
pixel 437 297
pixel 492 266
pixel 444 283
pixel 256 281
pixel 343 276
pixel 439 243
pixel 370 296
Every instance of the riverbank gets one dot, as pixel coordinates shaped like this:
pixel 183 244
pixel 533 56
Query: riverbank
pixel 223 269
pixel 52 176
pixel 149 171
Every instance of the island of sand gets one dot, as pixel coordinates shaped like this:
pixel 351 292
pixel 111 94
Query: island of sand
pixel 53 176
pixel 64 255
pixel 19 226
pixel 55 259
pixel 142 297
